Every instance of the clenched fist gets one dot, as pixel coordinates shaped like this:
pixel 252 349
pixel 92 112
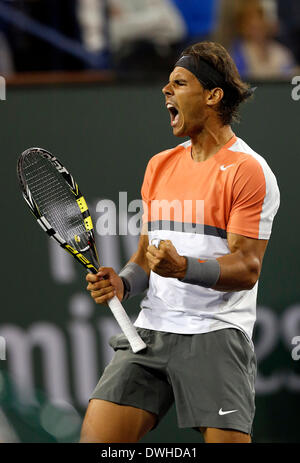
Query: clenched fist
pixel 165 261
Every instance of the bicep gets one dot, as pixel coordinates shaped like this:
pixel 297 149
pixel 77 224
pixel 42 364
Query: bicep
pixel 248 248
pixel 241 267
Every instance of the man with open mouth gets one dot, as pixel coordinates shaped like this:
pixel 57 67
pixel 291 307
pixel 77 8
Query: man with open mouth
pixel 209 207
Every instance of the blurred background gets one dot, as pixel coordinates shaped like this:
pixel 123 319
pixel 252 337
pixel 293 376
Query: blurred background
pixel 145 36
pixel 83 79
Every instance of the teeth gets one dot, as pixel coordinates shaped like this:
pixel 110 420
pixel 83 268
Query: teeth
pixel 173 113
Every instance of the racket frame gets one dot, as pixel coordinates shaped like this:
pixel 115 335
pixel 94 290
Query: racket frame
pixel 93 265
pixel 135 341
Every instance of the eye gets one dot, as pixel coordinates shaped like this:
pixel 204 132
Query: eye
pixel 179 82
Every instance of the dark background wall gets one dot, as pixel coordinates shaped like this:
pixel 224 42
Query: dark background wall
pixel 56 338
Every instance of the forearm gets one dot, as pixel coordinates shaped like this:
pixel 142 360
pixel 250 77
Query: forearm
pixel 238 272
pixel 232 272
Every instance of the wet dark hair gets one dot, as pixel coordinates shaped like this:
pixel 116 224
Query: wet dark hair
pixel 235 90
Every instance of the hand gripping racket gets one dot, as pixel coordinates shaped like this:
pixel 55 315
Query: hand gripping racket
pixel 60 209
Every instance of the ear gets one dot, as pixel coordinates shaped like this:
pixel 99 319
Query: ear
pixel 214 96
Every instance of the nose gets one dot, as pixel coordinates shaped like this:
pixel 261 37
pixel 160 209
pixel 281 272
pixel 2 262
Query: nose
pixel 167 90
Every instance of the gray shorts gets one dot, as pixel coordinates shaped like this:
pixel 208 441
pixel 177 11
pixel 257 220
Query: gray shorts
pixel 210 377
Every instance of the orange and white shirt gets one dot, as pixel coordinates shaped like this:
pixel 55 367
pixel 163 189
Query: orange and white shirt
pixel 195 205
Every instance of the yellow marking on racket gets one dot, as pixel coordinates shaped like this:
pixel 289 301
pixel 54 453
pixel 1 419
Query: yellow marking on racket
pixel 71 250
pixel 88 223
pixel 76 190
pixel 79 256
pixel 82 204
pixel 77 238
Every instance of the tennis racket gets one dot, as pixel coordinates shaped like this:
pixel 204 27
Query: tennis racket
pixel 61 210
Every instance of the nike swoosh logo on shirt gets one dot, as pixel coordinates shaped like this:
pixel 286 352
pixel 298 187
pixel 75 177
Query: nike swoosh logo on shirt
pixel 226 413
pixel 226 167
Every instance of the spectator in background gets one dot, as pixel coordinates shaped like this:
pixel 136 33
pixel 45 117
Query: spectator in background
pixel 141 32
pixel 249 33
pixel 153 20
pixel 168 25
pixel 146 34
pixel 93 20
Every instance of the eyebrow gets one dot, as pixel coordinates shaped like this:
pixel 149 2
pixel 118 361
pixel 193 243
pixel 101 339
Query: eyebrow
pixel 176 77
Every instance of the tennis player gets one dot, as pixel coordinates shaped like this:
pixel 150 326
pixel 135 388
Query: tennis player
pixel 199 267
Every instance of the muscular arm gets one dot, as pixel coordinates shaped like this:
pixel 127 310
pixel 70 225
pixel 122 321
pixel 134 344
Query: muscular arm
pixel 239 270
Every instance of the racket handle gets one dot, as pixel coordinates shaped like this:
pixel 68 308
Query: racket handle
pixel 126 325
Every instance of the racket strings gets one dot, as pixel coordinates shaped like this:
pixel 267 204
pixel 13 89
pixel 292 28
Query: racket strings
pixel 55 200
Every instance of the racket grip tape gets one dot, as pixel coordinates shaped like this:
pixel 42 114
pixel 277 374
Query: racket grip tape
pixel 135 341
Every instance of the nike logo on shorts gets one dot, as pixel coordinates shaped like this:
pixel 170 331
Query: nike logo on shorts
pixel 226 413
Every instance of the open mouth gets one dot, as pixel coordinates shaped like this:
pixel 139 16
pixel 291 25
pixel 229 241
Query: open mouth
pixel 174 114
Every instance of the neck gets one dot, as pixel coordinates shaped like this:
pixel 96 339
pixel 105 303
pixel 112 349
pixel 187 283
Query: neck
pixel 209 141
